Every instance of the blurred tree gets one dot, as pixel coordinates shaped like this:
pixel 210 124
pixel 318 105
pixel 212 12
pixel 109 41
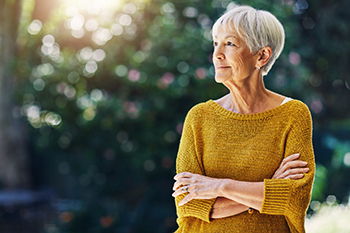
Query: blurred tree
pixel 14 166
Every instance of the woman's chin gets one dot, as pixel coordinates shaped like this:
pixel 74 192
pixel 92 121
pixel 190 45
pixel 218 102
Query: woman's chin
pixel 221 78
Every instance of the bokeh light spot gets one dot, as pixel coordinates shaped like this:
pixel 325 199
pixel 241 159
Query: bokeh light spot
pixel 134 75
pixel 201 73
pixel 315 205
pixel 129 8
pixel 294 58
pixel 168 8
pixel 308 23
pixel 73 77
pixel 331 199
pixel 127 146
pixel 106 221
pixel 162 61
pixel 96 94
pixel 35 27
pixel 121 70
pixel 45 69
pixel 125 20
pixel 170 136
pixel 48 40
pixel 53 119
pixel 98 55
pixel 122 136
pixel 139 56
pixel 84 180
pixel 347 159
pixel 89 114
pixel 86 53
pixel 91 67
pixel 149 165
pixel 190 12
pixel 69 92
pixel 183 80
pixel 39 84
pixel 316 106
pixel 167 162
pixel 91 25
pixel 65 217
pixel 117 29
pixel 77 22
pixel 78 33
pixel 101 36
pixel 183 67
pixel 168 19
pixel 63 168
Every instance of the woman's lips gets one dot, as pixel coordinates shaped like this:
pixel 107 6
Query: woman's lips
pixel 222 67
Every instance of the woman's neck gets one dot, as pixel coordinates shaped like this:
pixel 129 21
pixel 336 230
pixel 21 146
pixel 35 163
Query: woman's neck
pixel 247 97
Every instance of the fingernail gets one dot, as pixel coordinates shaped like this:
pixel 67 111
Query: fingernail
pixel 305 163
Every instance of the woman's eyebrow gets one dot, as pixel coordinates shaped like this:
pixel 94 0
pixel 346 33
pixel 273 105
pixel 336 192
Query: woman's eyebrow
pixel 229 36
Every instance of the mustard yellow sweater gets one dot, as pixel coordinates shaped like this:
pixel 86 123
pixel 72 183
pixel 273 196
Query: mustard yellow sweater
pixel 219 143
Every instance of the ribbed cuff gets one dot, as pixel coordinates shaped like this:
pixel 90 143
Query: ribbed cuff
pixel 276 196
pixel 199 209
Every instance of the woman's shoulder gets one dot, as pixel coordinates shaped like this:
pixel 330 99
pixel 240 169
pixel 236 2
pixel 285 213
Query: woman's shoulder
pixel 297 111
pixel 198 109
pixel 298 106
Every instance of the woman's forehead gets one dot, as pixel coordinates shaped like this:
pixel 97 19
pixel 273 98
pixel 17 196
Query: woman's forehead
pixel 226 31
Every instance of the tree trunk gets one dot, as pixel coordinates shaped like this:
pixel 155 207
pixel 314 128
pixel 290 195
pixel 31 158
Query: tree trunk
pixel 14 165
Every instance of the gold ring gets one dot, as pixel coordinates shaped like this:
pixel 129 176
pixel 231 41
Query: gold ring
pixel 185 189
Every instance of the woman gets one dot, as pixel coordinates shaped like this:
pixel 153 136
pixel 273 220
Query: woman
pixel 245 161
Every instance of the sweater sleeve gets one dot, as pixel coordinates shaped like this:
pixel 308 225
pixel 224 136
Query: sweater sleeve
pixel 188 161
pixel 288 197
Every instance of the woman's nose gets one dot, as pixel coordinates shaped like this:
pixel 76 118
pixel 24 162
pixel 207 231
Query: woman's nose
pixel 218 54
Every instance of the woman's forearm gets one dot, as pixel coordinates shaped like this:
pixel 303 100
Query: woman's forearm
pixel 249 194
pixel 224 207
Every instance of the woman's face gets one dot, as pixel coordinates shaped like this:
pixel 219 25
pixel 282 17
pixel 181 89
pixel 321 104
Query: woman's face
pixel 232 58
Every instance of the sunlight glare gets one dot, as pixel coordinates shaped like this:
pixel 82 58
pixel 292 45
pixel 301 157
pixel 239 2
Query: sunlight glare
pixel 93 7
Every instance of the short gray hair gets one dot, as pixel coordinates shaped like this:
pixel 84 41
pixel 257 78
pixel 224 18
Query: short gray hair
pixel 258 28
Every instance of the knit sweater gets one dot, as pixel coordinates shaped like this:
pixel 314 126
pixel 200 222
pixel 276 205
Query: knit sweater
pixel 219 143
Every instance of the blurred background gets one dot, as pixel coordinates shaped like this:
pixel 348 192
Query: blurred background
pixel 93 95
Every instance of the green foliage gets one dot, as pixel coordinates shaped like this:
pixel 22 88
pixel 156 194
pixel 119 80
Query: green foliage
pixel 105 102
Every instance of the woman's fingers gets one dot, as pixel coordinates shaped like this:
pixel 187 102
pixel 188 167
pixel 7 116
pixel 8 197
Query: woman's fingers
pixel 181 182
pixel 294 173
pixel 183 175
pixel 291 168
pixel 183 179
pixel 290 158
pixel 180 191
pixel 295 177
pixel 294 164
pixel 195 186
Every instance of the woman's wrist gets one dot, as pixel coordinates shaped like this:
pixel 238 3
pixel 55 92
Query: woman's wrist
pixel 225 187
pixel 224 207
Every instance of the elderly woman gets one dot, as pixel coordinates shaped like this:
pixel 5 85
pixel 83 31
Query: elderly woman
pixel 245 162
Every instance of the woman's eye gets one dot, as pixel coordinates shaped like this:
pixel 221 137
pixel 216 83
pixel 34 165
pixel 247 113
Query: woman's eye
pixel 215 43
pixel 230 43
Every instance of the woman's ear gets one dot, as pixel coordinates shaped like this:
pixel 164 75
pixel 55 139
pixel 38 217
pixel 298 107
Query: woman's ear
pixel 264 56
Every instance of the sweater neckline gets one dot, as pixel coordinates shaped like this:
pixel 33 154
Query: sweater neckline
pixel 218 108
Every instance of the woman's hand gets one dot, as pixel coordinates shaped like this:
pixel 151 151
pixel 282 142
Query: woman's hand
pixel 291 168
pixel 197 186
